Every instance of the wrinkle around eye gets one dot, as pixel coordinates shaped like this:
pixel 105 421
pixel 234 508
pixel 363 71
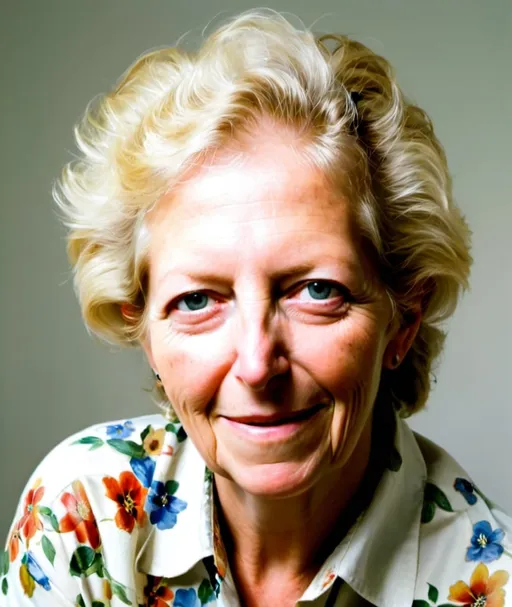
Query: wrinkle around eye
pixel 202 321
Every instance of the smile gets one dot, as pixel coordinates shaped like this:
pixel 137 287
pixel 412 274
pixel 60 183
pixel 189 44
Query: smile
pixel 276 427
pixel 278 419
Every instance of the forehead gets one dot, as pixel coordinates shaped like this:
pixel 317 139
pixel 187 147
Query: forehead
pixel 268 169
pixel 272 198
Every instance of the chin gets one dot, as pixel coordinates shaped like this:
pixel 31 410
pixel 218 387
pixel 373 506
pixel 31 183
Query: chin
pixel 276 480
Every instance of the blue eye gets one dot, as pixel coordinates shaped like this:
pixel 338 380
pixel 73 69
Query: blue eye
pixel 320 290
pixel 193 302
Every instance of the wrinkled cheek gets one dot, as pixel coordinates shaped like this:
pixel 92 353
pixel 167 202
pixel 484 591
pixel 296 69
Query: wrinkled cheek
pixel 190 394
pixel 192 368
pixel 351 375
pixel 351 414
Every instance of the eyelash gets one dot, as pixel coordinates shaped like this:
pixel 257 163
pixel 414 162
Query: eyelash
pixel 343 292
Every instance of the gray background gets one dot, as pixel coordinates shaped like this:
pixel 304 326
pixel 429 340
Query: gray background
pixel 452 56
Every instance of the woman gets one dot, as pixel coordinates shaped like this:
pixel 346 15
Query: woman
pixel 272 222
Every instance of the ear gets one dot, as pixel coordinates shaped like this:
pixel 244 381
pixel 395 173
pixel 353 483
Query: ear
pixel 402 338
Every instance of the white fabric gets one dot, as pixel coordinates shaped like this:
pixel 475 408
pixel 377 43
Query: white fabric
pixel 389 558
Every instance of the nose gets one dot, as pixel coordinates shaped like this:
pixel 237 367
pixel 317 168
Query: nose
pixel 261 355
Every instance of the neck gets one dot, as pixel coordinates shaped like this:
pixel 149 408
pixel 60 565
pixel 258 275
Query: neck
pixel 287 533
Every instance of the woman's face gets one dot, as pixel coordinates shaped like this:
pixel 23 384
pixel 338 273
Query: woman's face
pixel 265 325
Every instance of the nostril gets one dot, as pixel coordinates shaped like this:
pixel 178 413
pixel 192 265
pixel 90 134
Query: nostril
pixel 256 372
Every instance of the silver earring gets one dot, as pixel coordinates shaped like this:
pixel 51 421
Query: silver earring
pixel 157 376
pixel 395 361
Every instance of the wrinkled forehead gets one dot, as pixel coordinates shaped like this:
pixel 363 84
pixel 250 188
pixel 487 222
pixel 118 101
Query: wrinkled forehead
pixel 261 212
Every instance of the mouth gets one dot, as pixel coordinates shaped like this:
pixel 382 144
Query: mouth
pixel 266 421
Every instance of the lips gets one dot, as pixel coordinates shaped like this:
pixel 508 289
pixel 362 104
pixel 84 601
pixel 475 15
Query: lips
pixel 278 419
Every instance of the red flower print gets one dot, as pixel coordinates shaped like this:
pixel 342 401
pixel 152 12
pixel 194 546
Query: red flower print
pixel 129 495
pixel 30 522
pixel 79 517
pixel 14 543
pixel 482 590
pixel 156 594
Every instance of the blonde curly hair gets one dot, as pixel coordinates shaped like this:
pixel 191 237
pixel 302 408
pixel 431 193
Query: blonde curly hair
pixel 173 106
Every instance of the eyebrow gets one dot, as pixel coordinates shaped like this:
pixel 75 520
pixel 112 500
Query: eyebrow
pixel 288 272
pixel 198 276
pixel 295 270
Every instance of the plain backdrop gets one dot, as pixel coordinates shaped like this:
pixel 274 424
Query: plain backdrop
pixel 453 57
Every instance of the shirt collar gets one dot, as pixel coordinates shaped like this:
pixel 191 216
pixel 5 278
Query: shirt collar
pixel 378 557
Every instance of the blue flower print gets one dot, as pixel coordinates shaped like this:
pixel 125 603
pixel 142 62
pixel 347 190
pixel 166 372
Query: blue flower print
pixel 485 543
pixel 162 506
pixel 143 469
pixel 186 598
pixel 35 571
pixel 120 430
pixel 467 489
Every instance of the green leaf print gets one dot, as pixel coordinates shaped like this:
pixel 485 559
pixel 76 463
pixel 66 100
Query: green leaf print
pixel 117 588
pixel 120 591
pixel 434 494
pixel 85 561
pixel 94 441
pixel 205 592
pixel 181 435
pixel 145 432
pixel 48 514
pixel 433 593
pixel 98 564
pixel 433 498
pixel 4 563
pixel 171 487
pixel 5 586
pixel 48 549
pixel 420 603
pixel 427 512
pixel 79 601
pixel 127 447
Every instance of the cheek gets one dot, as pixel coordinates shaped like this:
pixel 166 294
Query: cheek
pixel 347 363
pixel 345 360
pixel 192 369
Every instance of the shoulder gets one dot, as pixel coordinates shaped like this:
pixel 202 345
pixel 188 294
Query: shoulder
pixel 58 535
pixel 465 538
pixel 103 449
pixel 450 489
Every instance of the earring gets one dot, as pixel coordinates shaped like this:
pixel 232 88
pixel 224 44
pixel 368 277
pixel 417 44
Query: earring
pixel 157 376
pixel 395 361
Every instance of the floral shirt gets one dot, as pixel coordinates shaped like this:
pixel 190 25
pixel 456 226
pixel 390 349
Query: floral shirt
pixel 123 514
